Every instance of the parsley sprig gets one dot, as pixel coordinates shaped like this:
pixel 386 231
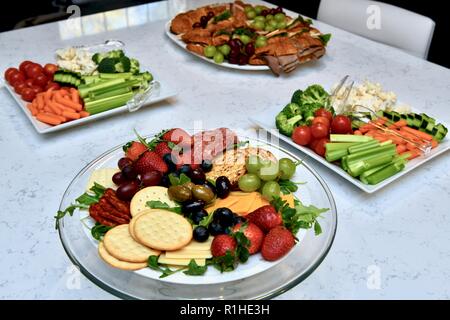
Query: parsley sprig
pixel 192 269
pixel 83 202
pixel 99 230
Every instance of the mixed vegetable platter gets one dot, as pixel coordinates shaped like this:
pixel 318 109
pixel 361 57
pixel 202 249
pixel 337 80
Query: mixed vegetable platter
pixel 80 84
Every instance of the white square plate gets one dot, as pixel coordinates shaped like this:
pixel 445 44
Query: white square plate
pixel 165 92
pixel 267 122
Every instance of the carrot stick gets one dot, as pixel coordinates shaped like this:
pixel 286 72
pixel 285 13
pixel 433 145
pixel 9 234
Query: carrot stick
pixel 401 123
pixel 32 109
pixel 74 95
pixel 84 114
pixel 47 109
pixel 417 133
pixel 357 132
pixel 55 108
pixel 68 103
pixel 414 154
pixel 48 118
pixel 48 95
pixel 71 115
pixel 434 143
pixel 366 128
pixel 401 148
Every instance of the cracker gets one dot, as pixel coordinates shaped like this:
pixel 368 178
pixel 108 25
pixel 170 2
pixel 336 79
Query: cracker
pixel 116 263
pixel 119 243
pixel 132 222
pixel 139 201
pixel 163 230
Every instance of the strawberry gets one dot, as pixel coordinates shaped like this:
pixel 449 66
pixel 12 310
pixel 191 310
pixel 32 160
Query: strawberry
pixel 277 243
pixel 150 160
pixel 162 148
pixel 254 234
pixel 135 150
pixel 266 218
pixel 178 136
pixel 221 244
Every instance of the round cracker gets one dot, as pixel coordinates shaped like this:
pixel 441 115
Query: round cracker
pixel 132 223
pixel 163 230
pixel 119 243
pixel 139 201
pixel 116 263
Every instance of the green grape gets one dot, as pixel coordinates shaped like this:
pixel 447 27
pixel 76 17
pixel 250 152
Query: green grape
pixel 261 41
pixel 252 165
pixel 251 14
pixel 248 8
pixel 269 172
pixel 218 57
pixel 281 25
pixel 273 23
pixel 259 9
pixel 225 49
pixel 280 17
pixel 249 182
pixel 287 168
pixel 269 17
pixel 259 25
pixel 260 18
pixel 245 38
pixel 269 28
pixel 270 190
pixel 209 51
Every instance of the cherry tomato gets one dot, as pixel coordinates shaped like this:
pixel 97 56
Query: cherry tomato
pixel 52 85
pixel 319 148
pixel 19 86
pixel 36 89
pixel 33 70
pixel 40 80
pixel 28 94
pixel 23 65
pixel 322 112
pixel 50 69
pixel 319 130
pixel 312 144
pixel 341 125
pixel 29 82
pixel 9 72
pixel 302 135
pixel 322 120
pixel 14 77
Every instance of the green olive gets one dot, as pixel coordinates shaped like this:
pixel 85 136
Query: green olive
pixel 180 193
pixel 203 193
pixel 189 185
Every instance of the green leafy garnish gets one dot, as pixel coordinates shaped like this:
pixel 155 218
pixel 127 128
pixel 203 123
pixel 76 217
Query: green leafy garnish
pixel 82 202
pixel 162 205
pixel 303 20
pixel 241 144
pixel 177 181
pixel 287 186
pixel 225 263
pixel 299 217
pixel 152 263
pixel 193 269
pixel 206 220
pixel 223 16
pixel 99 230
pixel 222 32
pixel 149 144
pixel 325 38
pixel 242 243
pixel 245 31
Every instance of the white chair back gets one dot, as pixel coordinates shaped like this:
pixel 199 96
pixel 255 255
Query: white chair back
pixel 381 22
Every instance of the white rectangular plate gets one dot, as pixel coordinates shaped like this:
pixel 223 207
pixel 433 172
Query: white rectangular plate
pixel 165 92
pixel 267 122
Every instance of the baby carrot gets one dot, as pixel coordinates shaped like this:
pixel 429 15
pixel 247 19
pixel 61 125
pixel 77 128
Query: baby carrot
pixel 401 148
pixel 417 133
pixel 71 115
pixel 32 109
pixel 68 103
pixel 84 114
pixel 54 107
pixel 358 133
pixel 48 118
pixel 434 143
pixel 74 95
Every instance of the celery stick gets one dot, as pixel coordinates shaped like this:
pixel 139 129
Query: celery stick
pixel 349 138
pixel 357 168
pixel 397 159
pixel 108 103
pixel 125 75
pixel 98 86
pixel 363 146
pixel 126 84
pixel 335 155
pixel 96 96
pixel 385 173
pixel 369 152
pixel 340 145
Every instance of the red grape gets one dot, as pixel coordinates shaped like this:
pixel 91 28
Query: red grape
pixel 129 173
pixel 123 162
pixel 151 178
pixel 118 178
pixel 127 190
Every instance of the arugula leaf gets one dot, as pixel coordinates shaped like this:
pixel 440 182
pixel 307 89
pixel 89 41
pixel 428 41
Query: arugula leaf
pixel 206 220
pixel 82 202
pixel 300 217
pixel 99 230
pixel 162 205
pixel 325 38
pixel 194 269
pixel 225 263
pixel 287 186
pixel 152 143
pixel 176 181
pixel 223 16
pixel 305 21
pixel 153 264
pixel 246 31
pixel 127 146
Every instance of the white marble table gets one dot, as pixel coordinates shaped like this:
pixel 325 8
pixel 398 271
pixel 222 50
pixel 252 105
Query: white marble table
pixel 393 244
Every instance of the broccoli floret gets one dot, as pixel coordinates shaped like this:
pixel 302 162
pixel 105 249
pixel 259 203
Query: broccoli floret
pixel 147 76
pixel 107 65
pixel 115 54
pixel 286 125
pixel 292 109
pixel 122 64
pixel 99 56
pixel 297 97
pixel 134 66
pixel 315 96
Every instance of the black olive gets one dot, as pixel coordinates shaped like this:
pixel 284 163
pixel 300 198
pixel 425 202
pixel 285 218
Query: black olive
pixel 198 176
pixel 168 160
pixel 165 181
pixel 215 228
pixel 192 206
pixel 198 216
pixel 224 216
pixel 238 220
pixel 186 169
pixel 223 187
pixel 211 186
pixel 207 165
pixel 201 234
